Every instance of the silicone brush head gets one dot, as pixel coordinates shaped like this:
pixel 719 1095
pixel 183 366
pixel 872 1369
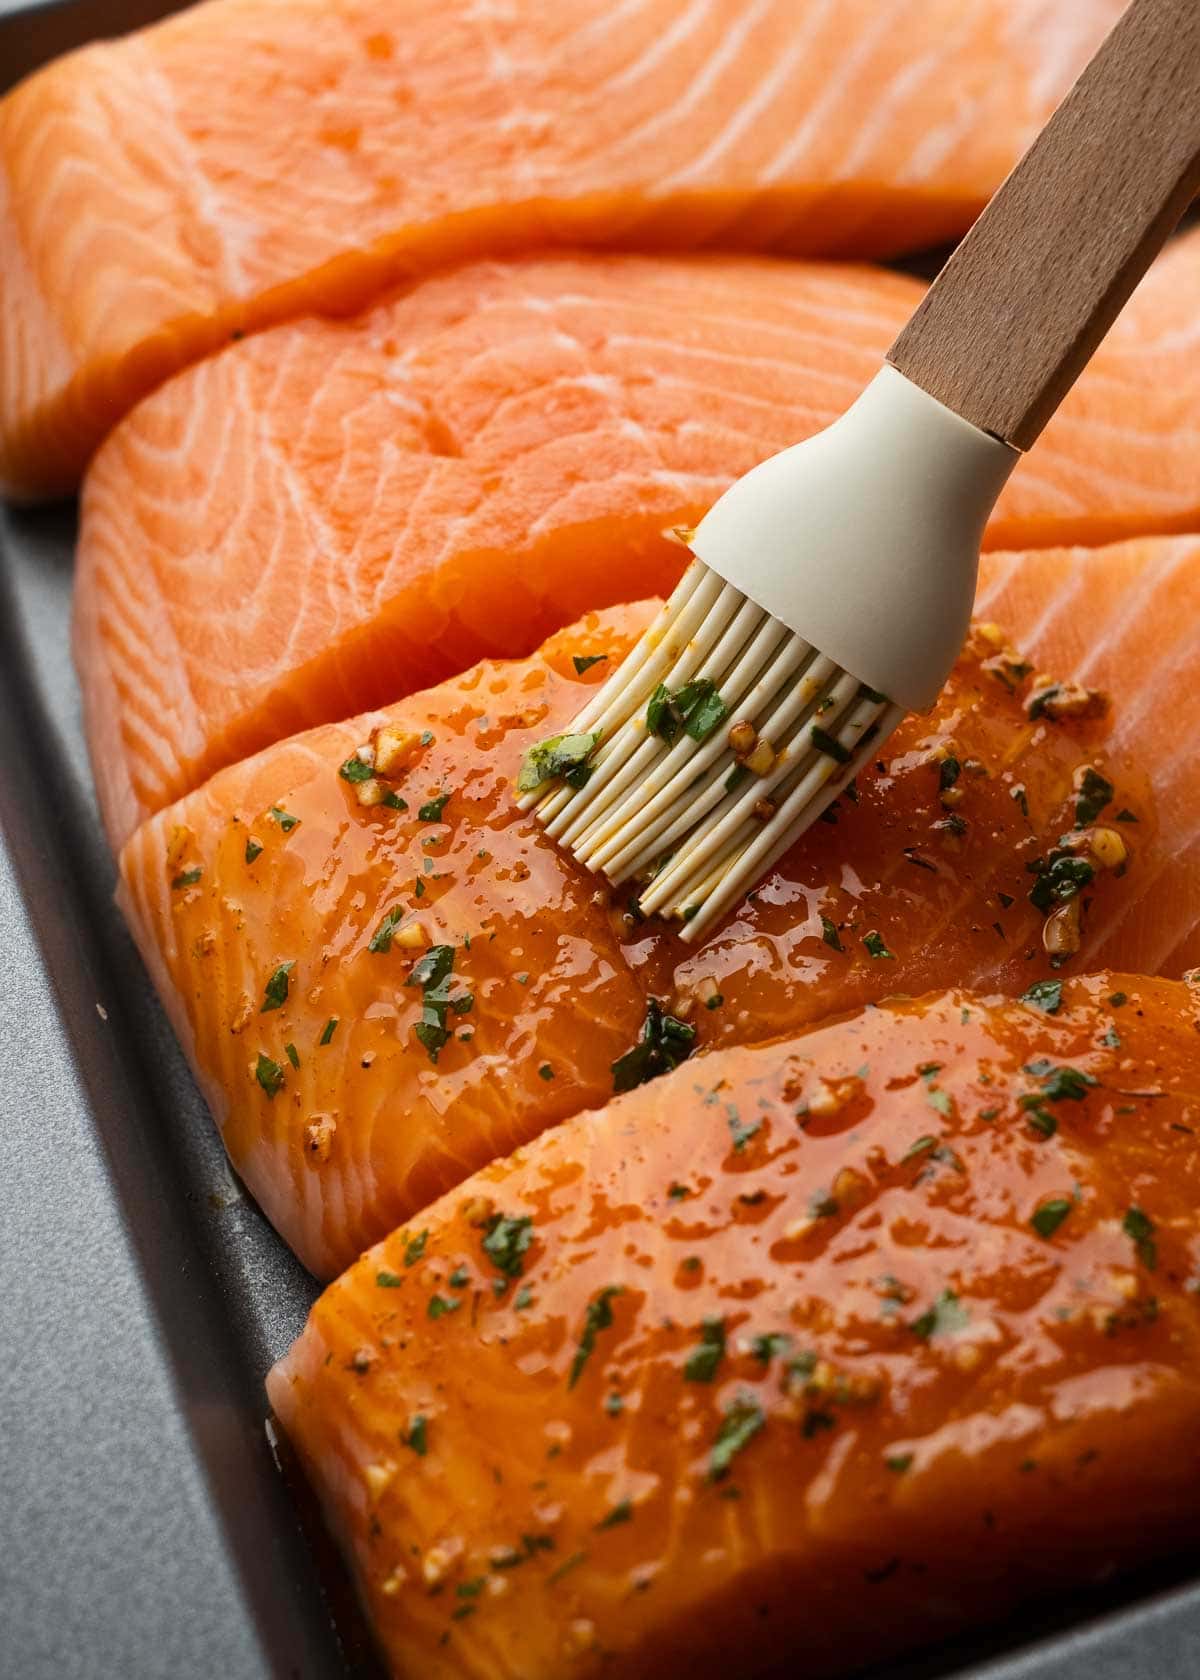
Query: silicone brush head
pixel 831 593
pixel 721 737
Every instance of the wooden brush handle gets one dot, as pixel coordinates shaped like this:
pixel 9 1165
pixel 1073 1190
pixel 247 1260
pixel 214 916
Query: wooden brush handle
pixel 1015 315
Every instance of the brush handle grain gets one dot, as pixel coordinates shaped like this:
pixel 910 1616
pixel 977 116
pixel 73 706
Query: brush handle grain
pixel 1015 315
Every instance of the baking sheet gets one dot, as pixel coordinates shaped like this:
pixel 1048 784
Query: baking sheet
pixel 145 1529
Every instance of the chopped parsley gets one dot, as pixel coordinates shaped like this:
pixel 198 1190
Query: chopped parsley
pixel 899 1463
pixel 381 939
pixel 276 993
pixel 506 1242
pixel 523 1298
pixel 416 1437
pixel 1139 1228
pixel 565 1567
pixel 1050 1215
pixel 355 770
pixel 1126 815
pixel 1118 999
pixel 677 1192
pixel 187 878
pixel 736 777
pixel 433 972
pixel 546 1071
pixel 764 1348
pixel 876 947
pixel 432 809
pixel 253 848
pixel 831 747
pixel 440 1305
pixel 1093 794
pixel 1018 793
pixel 829 934
pixel 949 770
pixel 701 1364
pixel 388 1280
pixel 285 819
pixel 269 1074
pixel 665 1042
pixel 621 1513
pixel 946 1316
pixel 922 1147
pixel 1062 1084
pixel 458 1277
pixel 293 1055
pixel 614 1405
pixel 584 661
pixel 414 1248
pixel 559 755
pixel 599 1316
pixel 1060 878
pixel 742 1421
pixel 393 801
pixel 1045 995
pixel 696 708
pixel 741 1130
pixel 328 1030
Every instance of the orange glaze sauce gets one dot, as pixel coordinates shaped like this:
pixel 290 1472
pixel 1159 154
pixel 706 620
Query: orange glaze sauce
pixel 826 1347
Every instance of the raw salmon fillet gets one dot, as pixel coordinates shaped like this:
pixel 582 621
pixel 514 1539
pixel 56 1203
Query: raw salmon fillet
pixel 271 903
pixel 327 517
pixel 814 1351
pixel 250 161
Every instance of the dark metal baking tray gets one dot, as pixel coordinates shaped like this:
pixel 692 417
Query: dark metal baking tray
pixel 145 1528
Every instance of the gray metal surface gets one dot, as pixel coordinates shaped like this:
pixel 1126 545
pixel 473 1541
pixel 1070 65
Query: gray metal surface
pixel 144 1529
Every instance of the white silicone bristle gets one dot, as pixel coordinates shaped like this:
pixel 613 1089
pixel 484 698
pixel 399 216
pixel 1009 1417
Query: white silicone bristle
pixel 694 819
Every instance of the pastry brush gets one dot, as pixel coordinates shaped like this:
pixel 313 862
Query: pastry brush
pixel 832 586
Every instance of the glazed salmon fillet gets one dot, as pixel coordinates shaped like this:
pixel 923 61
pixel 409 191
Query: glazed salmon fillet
pixel 250 161
pixel 326 517
pixel 379 998
pixel 818 1350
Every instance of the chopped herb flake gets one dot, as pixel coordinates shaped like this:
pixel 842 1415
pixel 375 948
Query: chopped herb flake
pixel 945 1317
pixel 253 848
pixel 416 1437
pixel 742 1421
pixel 876 947
pixel 381 939
pixel 701 1364
pixel 1050 1215
pixel 432 809
pixel 696 708
pixel 764 1348
pixel 546 1071
pixel 599 1316
pixel 187 878
pixel 1045 995
pixel 388 1280
pixel 523 1298
pixel 829 934
pixel 293 1055
pixel 555 756
pixel 414 1248
pixel 1125 815
pixel 922 1147
pixel 621 1513
pixel 614 1405
pixel 354 770
pixel 275 995
pixel 506 1242
pixel 440 1305
pixel 584 661
pixel 665 1042
pixel 286 821
pixel 949 770
pixel 393 801
pixel 831 747
pixel 433 972
pixel 1139 1228
pixel 458 1277
pixel 899 1462
pixel 1093 794
pixel 1118 999
pixel 269 1074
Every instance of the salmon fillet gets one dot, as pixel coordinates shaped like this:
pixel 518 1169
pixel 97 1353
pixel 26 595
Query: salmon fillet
pixel 297 937
pixel 326 517
pixel 249 161
pixel 822 1349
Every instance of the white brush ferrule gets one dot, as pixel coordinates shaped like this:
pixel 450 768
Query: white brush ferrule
pixel 865 539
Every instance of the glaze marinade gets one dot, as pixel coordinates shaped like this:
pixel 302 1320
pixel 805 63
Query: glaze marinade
pixel 824 1347
pixel 544 977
